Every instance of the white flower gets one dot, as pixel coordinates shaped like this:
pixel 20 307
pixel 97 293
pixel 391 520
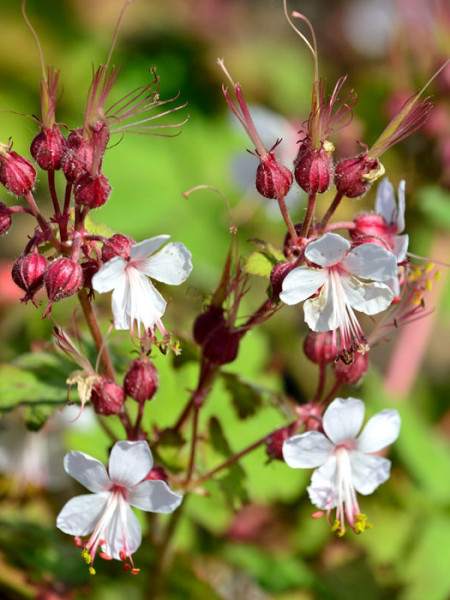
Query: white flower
pixel 339 279
pixel 346 463
pixel 106 513
pixel 134 298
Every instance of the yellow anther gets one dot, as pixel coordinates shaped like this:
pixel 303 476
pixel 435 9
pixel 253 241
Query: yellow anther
pixel 416 299
pixel 87 557
pixel 429 267
pixel 428 285
pixel 417 273
pixel 361 524
pixel 92 570
pixel 437 275
pixel 338 528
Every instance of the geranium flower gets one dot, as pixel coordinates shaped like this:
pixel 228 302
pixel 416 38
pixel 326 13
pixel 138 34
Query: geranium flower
pixel 338 277
pixel 346 463
pixel 106 513
pixel 135 299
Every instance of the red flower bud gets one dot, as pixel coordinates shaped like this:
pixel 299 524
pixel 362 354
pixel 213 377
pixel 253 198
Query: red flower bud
pixel 313 169
pixel 89 268
pixel 63 278
pixel 373 225
pixel 48 148
pixel 141 381
pixel 5 218
pixel 117 245
pixel 318 347
pixel 288 248
pixel 354 176
pixel 352 373
pixel 17 174
pixel 92 191
pixel 274 441
pixel 28 273
pixel 107 397
pixel 156 473
pixel 207 322
pixel 77 160
pixel 277 276
pixel 221 346
pixel 272 179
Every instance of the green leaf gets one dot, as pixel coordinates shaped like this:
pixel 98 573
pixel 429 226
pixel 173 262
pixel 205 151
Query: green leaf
pixel 36 416
pixel 246 397
pixel 259 263
pixel 435 203
pixel 96 229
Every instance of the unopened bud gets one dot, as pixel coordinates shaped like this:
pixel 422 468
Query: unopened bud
pixel 17 174
pixel 277 276
pixel 289 249
pixel 5 218
pixel 221 346
pixel 89 268
pixel 141 381
pixel 313 169
pixel 275 441
pixel 273 180
pixel 107 397
pixel 28 273
pixel 157 473
pixel 352 373
pixel 354 176
pixel 373 225
pixel 205 323
pixel 77 160
pixel 117 245
pixel 92 191
pixel 318 347
pixel 48 148
pixel 63 278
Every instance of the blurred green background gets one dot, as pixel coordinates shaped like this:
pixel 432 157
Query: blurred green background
pixel 268 546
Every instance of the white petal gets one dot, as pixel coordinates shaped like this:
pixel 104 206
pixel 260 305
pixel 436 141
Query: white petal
pixel 380 431
pixel 145 304
pixel 371 261
pixel 154 496
pixel 119 303
pixel 80 515
pixel 171 265
pixel 89 471
pixel 343 419
pixel 370 298
pixel 124 532
pixel 368 472
pixel 301 283
pixel 400 247
pixel 307 450
pixel 401 206
pixel 110 275
pixel 328 250
pixel 320 312
pixel 147 247
pixel 385 204
pixel 129 462
pixel 322 490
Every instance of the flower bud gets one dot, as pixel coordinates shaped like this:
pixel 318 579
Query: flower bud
pixel 221 346
pixel 141 381
pixel 28 273
pixel 313 169
pixel 277 276
pixel 77 160
pixel 318 347
pixel 91 191
pixel 107 397
pixel 354 176
pixel 63 278
pixel 275 441
pixel 374 226
pixel 352 373
pixel 89 268
pixel 5 218
pixel 117 245
pixel 289 249
pixel 272 179
pixel 17 174
pixel 157 472
pixel 48 148
pixel 205 323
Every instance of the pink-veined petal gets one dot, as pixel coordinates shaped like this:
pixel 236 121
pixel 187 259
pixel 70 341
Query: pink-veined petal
pixel 124 532
pixel 145 304
pixel 129 463
pixel 301 283
pixel 322 490
pixel 380 431
pixel 328 250
pixel 368 472
pixel 110 275
pixel 171 265
pixel 154 496
pixel 307 450
pixel 385 204
pixel 400 248
pixel 87 470
pixel 80 515
pixel 343 418
pixel 370 298
pixel 143 249
pixel 321 313
pixel 400 217
pixel 119 303
pixel 371 261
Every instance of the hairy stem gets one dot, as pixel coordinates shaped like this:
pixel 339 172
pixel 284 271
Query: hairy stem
pixel 287 220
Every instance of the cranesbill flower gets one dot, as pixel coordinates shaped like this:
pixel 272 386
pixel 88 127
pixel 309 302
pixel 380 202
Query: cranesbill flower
pixel 134 298
pixel 106 513
pixel 346 463
pixel 347 279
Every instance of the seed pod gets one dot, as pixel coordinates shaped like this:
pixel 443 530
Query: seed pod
pixel 63 278
pixel 205 323
pixel 141 380
pixel 48 148
pixel 107 397
pixel 17 174
pixel 77 160
pixel 277 276
pixel 221 346
pixel 5 218
pixel 275 441
pixel 318 347
pixel 91 191
pixel 273 180
pixel 354 176
pixel 354 372
pixel 117 245
pixel 313 169
pixel 28 273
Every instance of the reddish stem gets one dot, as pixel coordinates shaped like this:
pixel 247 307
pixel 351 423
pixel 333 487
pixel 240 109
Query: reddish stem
pixel 333 206
pixel 309 215
pixel 287 220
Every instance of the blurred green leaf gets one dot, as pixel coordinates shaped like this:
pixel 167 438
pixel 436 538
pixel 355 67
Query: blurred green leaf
pixel 247 398
pixel 435 203
pixel 259 263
